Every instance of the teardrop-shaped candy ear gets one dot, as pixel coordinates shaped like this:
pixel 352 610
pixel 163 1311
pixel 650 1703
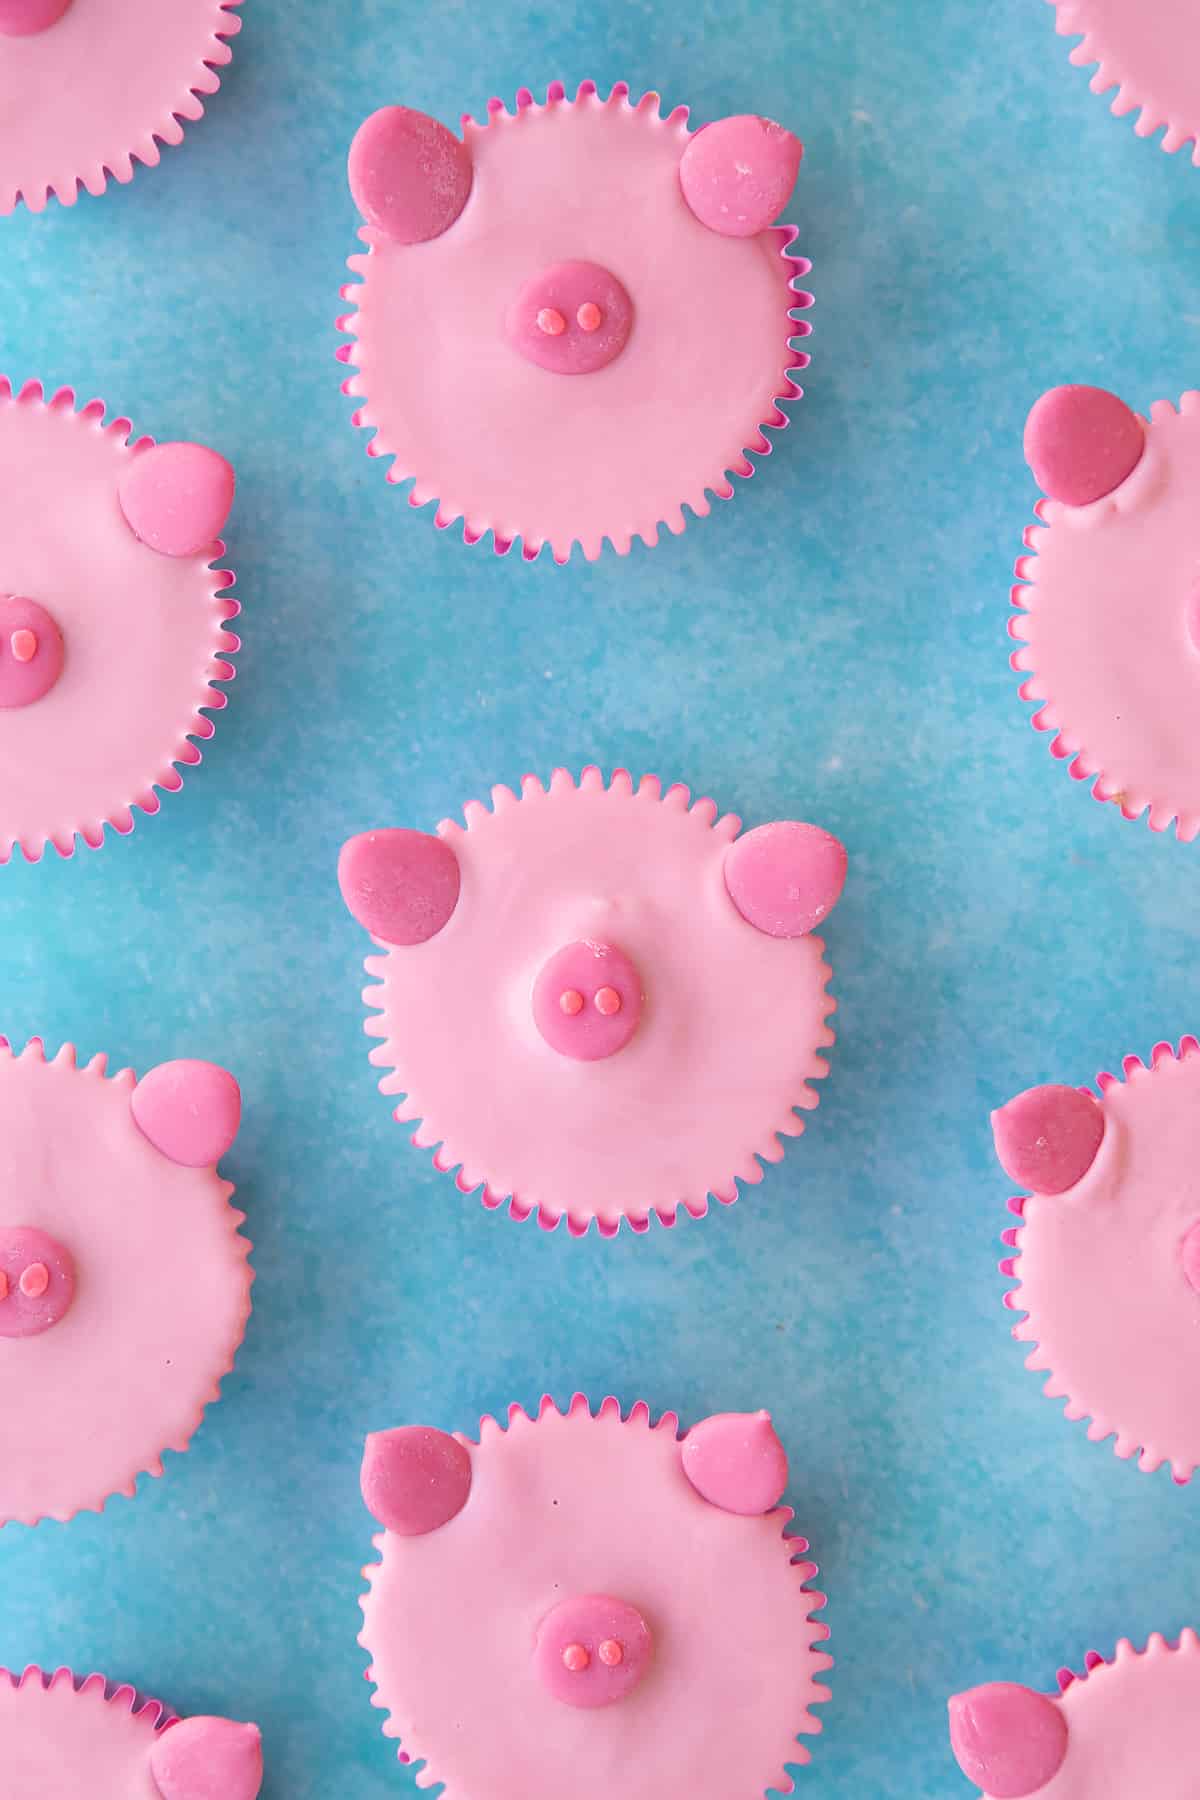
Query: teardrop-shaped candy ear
pixel 785 878
pixel 736 1462
pixel 1081 443
pixel 410 177
pixel 402 885
pixel 1048 1137
pixel 1008 1740
pixel 22 18
pixel 737 175
pixel 190 1111
pixel 415 1479
pixel 177 497
pixel 208 1759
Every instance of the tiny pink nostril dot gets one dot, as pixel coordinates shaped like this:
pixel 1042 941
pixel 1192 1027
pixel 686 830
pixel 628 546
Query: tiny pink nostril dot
pixel 551 321
pixel 611 1653
pixel 35 1280
pixel 571 1001
pixel 575 1659
pixel 589 316
pixel 608 1001
pixel 24 645
pixel 3 1285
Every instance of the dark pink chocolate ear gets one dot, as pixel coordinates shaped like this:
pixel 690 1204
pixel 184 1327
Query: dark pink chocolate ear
pixel 21 18
pixel 1081 443
pixel 737 175
pixel 1048 1137
pixel 189 1110
pixel 735 1461
pixel 402 885
pixel 415 1479
pixel 410 177
pixel 177 497
pixel 1008 1740
pixel 208 1759
pixel 786 877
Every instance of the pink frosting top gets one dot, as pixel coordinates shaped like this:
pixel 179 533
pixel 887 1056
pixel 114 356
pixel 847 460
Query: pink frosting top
pixel 728 1033
pixel 1106 631
pixel 583 1541
pixel 161 1289
pixel 143 635
pixel 1150 51
pixel 446 380
pixel 1113 1312
pixel 100 90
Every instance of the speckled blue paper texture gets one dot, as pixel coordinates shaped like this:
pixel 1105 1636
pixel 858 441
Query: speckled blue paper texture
pixel 830 644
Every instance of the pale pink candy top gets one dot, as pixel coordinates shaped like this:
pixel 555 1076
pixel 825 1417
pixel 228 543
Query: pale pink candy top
pixel 579 1531
pixel 1109 633
pixel 161 1286
pixel 101 89
pixel 1149 50
pixel 1113 1311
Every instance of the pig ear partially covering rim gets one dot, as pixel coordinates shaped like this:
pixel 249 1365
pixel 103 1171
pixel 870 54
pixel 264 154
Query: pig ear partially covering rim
pixel 190 1111
pixel 1008 1740
pixel 1081 443
pixel 737 175
pixel 1048 1137
pixel 401 885
pixel 415 1479
pixel 409 175
pixel 736 1461
pixel 177 497
pixel 785 878
pixel 208 1759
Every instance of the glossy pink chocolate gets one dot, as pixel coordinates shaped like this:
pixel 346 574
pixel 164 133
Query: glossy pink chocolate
pixel 177 498
pixel 587 1000
pixel 410 177
pixel 31 651
pixel 415 1479
pixel 785 878
pixel 1149 50
pixel 401 885
pixel 208 1759
pixel 572 318
pixel 1048 1137
pixel 736 1461
pixel 1008 1740
pixel 585 1567
pixel 1081 443
pixel 37 1281
pixel 22 18
pixel 592 1650
pixel 189 1110
pixel 738 175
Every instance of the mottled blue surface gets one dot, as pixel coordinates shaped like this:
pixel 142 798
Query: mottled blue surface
pixel 831 644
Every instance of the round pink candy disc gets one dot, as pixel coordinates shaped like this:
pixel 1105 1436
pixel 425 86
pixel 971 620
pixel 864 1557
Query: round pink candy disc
pixel 37 1281
pixel 31 651
pixel 592 1650
pixel 572 319
pixel 587 1001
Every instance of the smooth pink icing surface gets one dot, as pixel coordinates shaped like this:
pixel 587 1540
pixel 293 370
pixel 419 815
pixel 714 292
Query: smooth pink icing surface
pixel 414 1479
pixel 177 498
pixel 410 177
pixel 581 1506
pixel 112 81
pixel 189 1110
pixel 1081 443
pixel 1133 1728
pixel 1112 1315
pixel 144 635
pixel 592 1650
pixel 37 1281
pixel 208 1759
pixel 729 1041
pixel 1008 1739
pixel 572 318
pixel 737 175
pixel 1149 50
pixel 587 1000
pixel 1047 1138
pixel 31 651
pixel 508 446
pixel 402 885
pixel 161 1298
pixel 1104 632
pixel 735 1460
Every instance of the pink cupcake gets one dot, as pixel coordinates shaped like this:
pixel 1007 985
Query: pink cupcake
pixel 559 1602
pixel 1149 50
pixel 630 342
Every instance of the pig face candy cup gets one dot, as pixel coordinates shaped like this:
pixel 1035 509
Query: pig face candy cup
pixel 1149 50
pixel 1109 622
pixel 89 87
pixel 65 1738
pixel 558 1603
pixel 599 1002
pixel 112 619
pixel 575 320
pixel 1125 1727
pixel 124 1284
pixel 1108 1251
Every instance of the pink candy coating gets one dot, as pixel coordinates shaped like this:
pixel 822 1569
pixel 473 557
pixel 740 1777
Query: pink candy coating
pixel 401 885
pixel 208 1759
pixel 177 497
pixel 785 877
pixel 31 651
pixel 569 1654
pixel 607 984
pixel 37 1281
pixel 22 18
pixel 189 1110
pixel 1048 1137
pixel 410 177
pixel 1081 443
pixel 737 175
pixel 1008 1740
pixel 736 1461
pixel 414 1479
pixel 572 319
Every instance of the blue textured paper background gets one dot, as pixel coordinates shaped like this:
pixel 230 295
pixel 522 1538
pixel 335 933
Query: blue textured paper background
pixel 831 644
